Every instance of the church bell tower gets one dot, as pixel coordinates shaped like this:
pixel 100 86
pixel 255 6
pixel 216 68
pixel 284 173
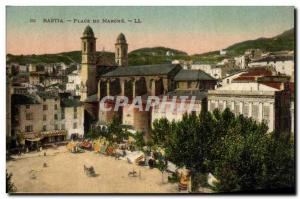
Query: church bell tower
pixel 121 53
pixel 88 85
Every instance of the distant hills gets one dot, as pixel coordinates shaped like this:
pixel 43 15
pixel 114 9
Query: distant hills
pixel 283 41
pixel 159 55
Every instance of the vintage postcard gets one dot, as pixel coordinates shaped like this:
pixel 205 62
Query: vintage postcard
pixel 150 99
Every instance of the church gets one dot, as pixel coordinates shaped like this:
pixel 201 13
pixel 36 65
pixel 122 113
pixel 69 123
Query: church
pixel 99 79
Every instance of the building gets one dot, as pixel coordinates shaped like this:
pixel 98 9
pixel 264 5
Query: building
pixel 194 80
pixel 170 109
pixel 88 72
pixel 265 99
pixel 37 118
pixel 46 117
pixel 148 80
pixel 183 63
pixel 216 72
pixel 72 116
pixel 282 64
pixel 228 79
pixel 241 61
pixel 193 86
pixel 223 52
pixel 121 51
pixel 73 84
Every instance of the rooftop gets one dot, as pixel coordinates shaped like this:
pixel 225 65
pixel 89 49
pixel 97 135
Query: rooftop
pixel 88 32
pixel 192 75
pixel 273 58
pixel 47 95
pixel 24 99
pixel 70 102
pixel 200 95
pixel 144 70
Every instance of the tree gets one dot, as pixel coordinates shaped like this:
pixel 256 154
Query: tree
pixel 162 166
pixel 115 132
pixel 160 133
pixel 10 187
pixel 237 150
pixel 139 140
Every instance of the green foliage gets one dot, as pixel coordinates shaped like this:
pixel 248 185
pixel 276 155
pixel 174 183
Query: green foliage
pixel 139 140
pixel 160 134
pixel 113 132
pixel 173 178
pixel 284 41
pixel 10 187
pixel 237 150
pixel 162 166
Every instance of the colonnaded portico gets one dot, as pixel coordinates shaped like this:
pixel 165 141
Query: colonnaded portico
pixel 133 81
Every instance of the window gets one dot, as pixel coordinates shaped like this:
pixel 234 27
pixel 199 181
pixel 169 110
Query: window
pixel 84 46
pixel 63 127
pixel 75 125
pixel 266 114
pixel 91 46
pixel 237 108
pixel 44 128
pixel 55 107
pixel 212 106
pixel 29 128
pixel 55 117
pixel 255 112
pixel 55 127
pixel 75 115
pixel 44 117
pixel 45 107
pixel 75 109
pixel 29 116
pixel 189 84
pixel 62 114
pixel 221 106
pixel 27 106
pixel 228 105
pixel 246 110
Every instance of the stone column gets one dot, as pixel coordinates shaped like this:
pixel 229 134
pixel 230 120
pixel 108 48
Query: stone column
pixel 153 87
pixel 99 88
pixel 133 88
pixel 108 87
pixel 165 85
pixel 260 111
pixel 122 82
pixel 241 107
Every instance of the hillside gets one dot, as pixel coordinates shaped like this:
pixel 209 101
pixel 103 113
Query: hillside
pixel 141 56
pixel 160 55
pixel 283 41
pixel 156 55
pixel 66 57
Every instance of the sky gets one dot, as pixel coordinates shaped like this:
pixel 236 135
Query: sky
pixel 190 29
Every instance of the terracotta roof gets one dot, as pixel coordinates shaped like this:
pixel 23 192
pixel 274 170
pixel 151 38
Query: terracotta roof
pixel 276 85
pixel 249 78
pixel 258 72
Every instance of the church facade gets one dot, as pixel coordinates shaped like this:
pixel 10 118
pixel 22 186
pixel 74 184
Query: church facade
pixel 100 81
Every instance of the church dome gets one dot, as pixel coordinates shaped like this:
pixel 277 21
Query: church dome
pixel 88 32
pixel 121 38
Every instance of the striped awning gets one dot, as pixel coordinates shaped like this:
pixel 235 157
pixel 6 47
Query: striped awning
pixel 53 133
